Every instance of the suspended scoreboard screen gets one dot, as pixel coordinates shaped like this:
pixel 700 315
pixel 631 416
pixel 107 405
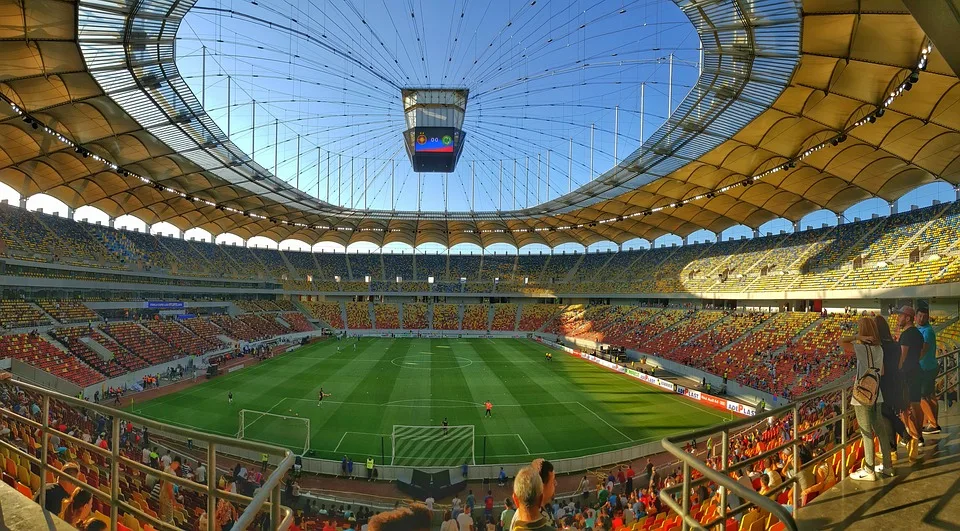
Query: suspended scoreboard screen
pixel 434 149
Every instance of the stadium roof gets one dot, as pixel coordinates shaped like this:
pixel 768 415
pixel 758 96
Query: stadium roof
pixel 752 142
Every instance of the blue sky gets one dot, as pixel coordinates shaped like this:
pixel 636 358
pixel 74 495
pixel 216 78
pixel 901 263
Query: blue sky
pixel 540 76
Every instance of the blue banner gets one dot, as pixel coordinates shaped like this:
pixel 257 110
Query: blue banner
pixel 164 305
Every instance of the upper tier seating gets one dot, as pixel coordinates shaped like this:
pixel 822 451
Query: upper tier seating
pixel 331 265
pixel 19 314
pixel 363 265
pixel 691 326
pixel 272 261
pixel 530 266
pixel 180 338
pixel 464 266
pixel 431 265
pixel 303 264
pixel 141 342
pixel 68 311
pixel 398 265
pixel 326 311
pixel 358 315
pixel 497 266
pixel 387 316
pixel 415 315
pixel 35 351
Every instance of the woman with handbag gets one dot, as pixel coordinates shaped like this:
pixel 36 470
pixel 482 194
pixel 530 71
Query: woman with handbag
pixel 866 396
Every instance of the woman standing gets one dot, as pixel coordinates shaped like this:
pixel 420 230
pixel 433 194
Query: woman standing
pixel 866 347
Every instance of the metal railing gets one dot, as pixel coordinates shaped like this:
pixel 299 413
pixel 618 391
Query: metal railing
pixel 280 517
pixel 948 380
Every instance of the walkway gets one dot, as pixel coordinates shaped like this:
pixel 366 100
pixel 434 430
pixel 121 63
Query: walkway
pixel 921 496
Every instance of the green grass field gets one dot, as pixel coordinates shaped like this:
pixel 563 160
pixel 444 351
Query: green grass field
pixel 564 408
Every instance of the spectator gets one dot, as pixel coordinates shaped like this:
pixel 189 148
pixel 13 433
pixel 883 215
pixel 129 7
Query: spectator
pixel 471 501
pixel 61 490
pixel 891 387
pixel 465 519
pixel 502 478
pixel 528 496
pixel 92 524
pixel 911 347
pixel 449 524
pixel 928 373
pixel 866 346
pixel 509 509
pixel 166 491
pixel 77 508
pixel 429 502
pixel 413 518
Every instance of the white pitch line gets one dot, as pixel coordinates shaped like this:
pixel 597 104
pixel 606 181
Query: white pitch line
pixel 523 443
pixel 614 428
pixel 341 441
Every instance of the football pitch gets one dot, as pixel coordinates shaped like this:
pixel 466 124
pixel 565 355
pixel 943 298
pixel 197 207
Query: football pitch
pixel 391 395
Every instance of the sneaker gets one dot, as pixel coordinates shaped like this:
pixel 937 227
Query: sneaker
pixel 880 470
pixel 864 474
pixel 931 430
pixel 905 442
pixel 921 443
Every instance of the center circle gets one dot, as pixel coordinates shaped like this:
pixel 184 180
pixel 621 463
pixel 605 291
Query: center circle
pixel 426 360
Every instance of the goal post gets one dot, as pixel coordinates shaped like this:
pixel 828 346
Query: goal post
pixel 288 431
pixel 432 445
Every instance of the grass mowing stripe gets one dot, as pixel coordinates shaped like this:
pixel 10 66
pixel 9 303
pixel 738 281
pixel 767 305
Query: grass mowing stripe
pixel 538 405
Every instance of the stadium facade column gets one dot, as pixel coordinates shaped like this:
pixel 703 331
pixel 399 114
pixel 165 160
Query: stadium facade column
pixel 957 190
pixel 796 226
pixel 840 219
pixel 70 213
pixel 756 232
pixel 23 202
pixel 893 207
pixel 111 222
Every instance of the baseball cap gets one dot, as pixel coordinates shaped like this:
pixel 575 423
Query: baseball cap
pixel 908 310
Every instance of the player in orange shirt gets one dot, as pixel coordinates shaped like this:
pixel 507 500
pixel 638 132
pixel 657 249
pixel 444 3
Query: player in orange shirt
pixel 489 406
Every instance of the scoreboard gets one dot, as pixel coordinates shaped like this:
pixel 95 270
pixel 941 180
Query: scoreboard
pixel 434 149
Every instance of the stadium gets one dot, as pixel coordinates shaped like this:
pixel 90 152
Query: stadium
pixel 348 264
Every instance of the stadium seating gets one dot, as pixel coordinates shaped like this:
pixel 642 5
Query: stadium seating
pixel 415 316
pixel 141 342
pixel 25 235
pixel 617 325
pixel 70 338
pixel 504 317
pixel 68 311
pixel 273 262
pixel 693 324
pixel 387 316
pixel 358 315
pixel 20 314
pixel 721 334
pixel 534 316
pixel 328 312
pixel 303 264
pixel 204 328
pixel 366 264
pixel 475 316
pixel 431 265
pixel 446 317
pixel 180 338
pixel 298 322
pixel 949 337
pixel 497 266
pixel 463 266
pixel 37 352
pixel 398 265
pixel 641 332
pixel 331 265
pixel 529 266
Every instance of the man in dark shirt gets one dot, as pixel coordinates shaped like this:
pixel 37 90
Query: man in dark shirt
pixel 911 348
pixel 61 490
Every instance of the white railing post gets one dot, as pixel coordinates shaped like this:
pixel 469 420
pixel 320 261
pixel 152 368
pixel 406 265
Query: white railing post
pixel 211 485
pixel 44 448
pixel 115 472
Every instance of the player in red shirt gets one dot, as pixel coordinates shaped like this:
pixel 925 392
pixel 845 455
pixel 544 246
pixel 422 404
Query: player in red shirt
pixel 489 406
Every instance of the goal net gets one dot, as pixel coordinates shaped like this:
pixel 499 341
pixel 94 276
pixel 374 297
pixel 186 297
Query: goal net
pixel 432 445
pixel 286 431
